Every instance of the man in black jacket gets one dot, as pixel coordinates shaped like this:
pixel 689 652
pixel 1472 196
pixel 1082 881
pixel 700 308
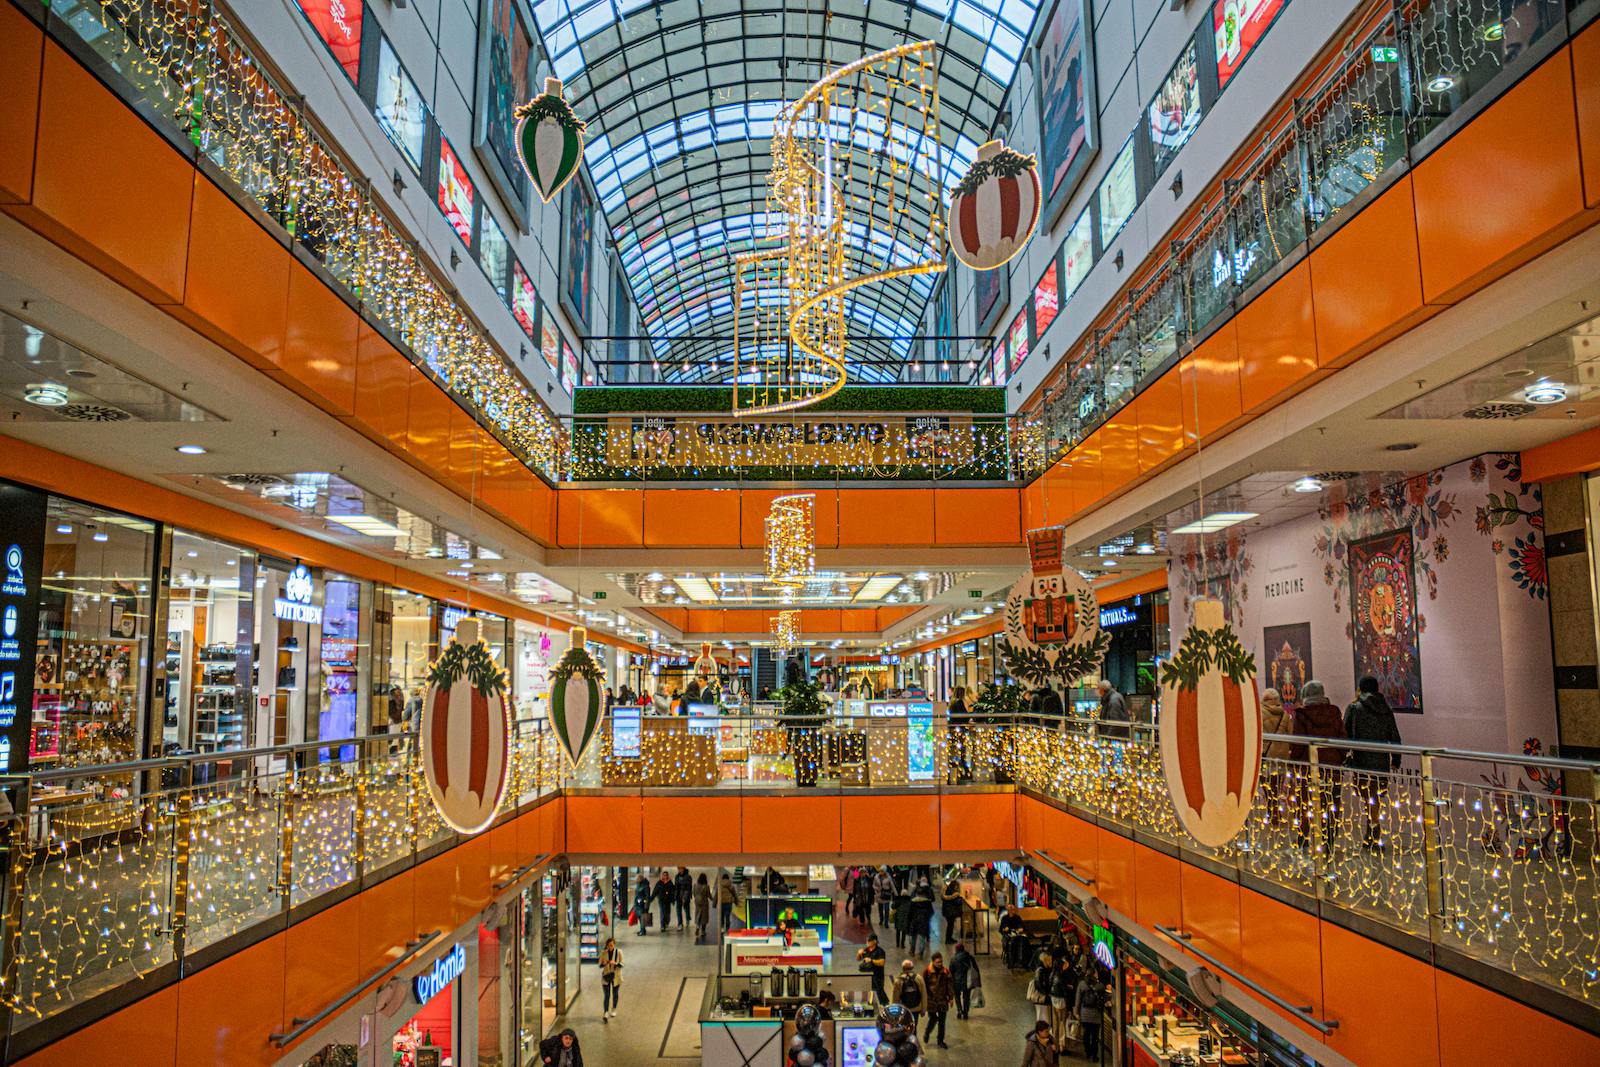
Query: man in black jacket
pixel 1369 718
pixel 665 894
pixel 684 885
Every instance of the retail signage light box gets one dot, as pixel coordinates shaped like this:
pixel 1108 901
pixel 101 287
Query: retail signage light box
pixel 295 604
pixel 446 969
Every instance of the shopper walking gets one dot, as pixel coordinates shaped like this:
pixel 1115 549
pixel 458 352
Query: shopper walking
pixel 610 979
pixel 1113 710
pixel 1319 795
pixel 727 897
pixel 964 978
pixel 684 884
pixel 1039 988
pixel 1039 1048
pixel 921 917
pixel 1091 1002
pixel 1275 719
pixel 561 1050
pixel 910 992
pixel 1063 990
pixel 941 993
pixel 1369 718
pixel 641 903
pixel 871 958
pixel 702 907
pixel 950 907
pixel 883 890
pixel 861 898
pixel 664 894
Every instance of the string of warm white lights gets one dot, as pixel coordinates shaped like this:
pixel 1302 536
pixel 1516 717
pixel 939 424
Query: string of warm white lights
pixel 791 540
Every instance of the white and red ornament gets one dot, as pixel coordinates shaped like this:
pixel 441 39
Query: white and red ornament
pixel 995 207
pixel 705 665
pixel 1210 731
pixel 466 733
pixel 574 708
pixel 549 140
pixel 1052 619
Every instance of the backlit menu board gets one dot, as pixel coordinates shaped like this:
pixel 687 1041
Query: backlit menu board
pixel 1239 25
pixel 1046 302
pixel 338 23
pixel 455 192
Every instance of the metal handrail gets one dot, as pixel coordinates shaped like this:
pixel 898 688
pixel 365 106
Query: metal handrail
pixel 1303 1014
pixel 305 1026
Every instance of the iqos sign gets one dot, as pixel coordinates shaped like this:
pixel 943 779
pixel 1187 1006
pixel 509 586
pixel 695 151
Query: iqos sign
pixel 445 969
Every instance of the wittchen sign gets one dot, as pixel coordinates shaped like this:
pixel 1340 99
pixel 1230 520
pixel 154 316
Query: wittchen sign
pixel 436 979
pixel 295 604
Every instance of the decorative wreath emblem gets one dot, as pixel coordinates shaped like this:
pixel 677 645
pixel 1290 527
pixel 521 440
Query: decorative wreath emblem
pixel 1052 618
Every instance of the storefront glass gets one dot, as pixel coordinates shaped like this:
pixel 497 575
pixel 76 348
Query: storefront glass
pixel 345 647
pixel 92 669
pixel 210 634
pixel 403 646
pixel 534 656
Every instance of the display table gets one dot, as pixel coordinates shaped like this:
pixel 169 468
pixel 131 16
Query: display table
pixel 738 1029
pixel 758 951
pixel 1146 1047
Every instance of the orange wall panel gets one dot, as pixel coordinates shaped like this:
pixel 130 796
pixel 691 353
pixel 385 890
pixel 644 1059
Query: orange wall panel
pixel 1119 440
pixel 428 426
pixel 977 517
pixel 227 1011
pixel 1277 334
pixel 237 291
pixel 858 620
pixel 1159 413
pixel 612 518
pixel 1210 377
pixel 1383 1000
pixel 754 504
pixel 383 387
pixel 684 826
pixel 1586 80
pixel 21 69
pixel 436 891
pixel 1071 839
pixel 885 517
pixel 745 620
pixel 978 822
pixel 1211 913
pixel 1084 474
pixel 1033 502
pixel 604 825
pixel 1522 150
pixel 321 959
pixel 1478 1025
pixel 1362 298
pixel 1115 874
pixel 1157 898
pixel 1281 947
pixel 319 350
pixel 820 621
pixel 385 921
pixel 542 520
pixel 1577 454
pixel 791 824
pixel 885 824
pixel 144 1034
pixel 698 518
pixel 542 830
pixel 504 484
pixel 1056 502
pixel 106 186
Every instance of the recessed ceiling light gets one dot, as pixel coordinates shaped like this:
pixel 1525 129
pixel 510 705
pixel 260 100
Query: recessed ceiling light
pixel 921 576
pixel 1144 549
pixel 192 450
pixel 1108 563
pixel 1307 484
pixel 669 589
pixel 466 565
pixel 64 528
pixel 1400 446
pixel 192 554
pixel 370 525
pixel 1545 391
pixel 102 536
pixel 1217 520
pixel 46 394
pixel 654 576
pixel 1441 83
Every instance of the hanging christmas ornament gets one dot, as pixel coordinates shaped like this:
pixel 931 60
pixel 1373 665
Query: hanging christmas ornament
pixel 466 733
pixel 549 140
pixel 574 706
pixel 995 208
pixel 705 666
pixel 1210 729
pixel 1052 618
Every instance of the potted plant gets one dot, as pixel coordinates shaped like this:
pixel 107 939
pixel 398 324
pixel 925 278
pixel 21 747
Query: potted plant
pixel 805 713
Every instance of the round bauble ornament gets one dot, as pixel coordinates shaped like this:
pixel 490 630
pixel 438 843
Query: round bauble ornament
pixel 575 707
pixel 1210 730
pixel 549 140
pixel 995 207
pixel 884 1054
pixel 466 733
pixel 1052 618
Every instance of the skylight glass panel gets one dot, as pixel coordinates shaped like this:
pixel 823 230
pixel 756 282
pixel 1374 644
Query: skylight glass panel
pixel 997 66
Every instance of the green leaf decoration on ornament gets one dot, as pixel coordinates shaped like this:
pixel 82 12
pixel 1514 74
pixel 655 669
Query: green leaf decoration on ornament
pixel 577 661
pixel 547 106
pixel 1006 163
pixel 1200 651
pixel 470 661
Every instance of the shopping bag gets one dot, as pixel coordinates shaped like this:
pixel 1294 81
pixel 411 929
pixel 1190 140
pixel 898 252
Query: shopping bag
pixel 977 997
pixel 1074 1030
pixel 633 918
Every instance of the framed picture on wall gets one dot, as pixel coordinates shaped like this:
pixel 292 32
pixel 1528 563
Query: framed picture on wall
pixel 577 252
pixel 506 57
pixel 1068 109
pixel 1383 616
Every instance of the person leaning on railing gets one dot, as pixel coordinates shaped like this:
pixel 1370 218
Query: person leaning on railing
pixel 1316 717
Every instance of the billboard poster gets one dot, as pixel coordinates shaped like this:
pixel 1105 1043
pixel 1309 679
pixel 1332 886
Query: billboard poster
pixel 524 302
pixel 1175 113
pixel 338 23
pixel 920 754
pixel 1383 616
pixel 550 343
pixel 1077 255
pixel 505 53
pixel 455 192
pixel 399 108
pixel 1239 25
pixel 1067 108
pixel 989 297
pixel 1018 344
pixel 1046 302
pixel 1119 195
pixel 579 252
pixel 569 366
pixel 22 519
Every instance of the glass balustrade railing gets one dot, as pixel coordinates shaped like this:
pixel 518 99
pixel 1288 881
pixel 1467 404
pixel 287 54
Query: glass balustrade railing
pixel 113 872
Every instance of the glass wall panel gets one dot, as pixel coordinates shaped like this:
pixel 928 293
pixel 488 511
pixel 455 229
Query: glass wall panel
pixel 210 633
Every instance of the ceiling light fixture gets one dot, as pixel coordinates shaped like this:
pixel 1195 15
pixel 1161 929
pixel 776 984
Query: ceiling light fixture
pixel 878 587
pixel 102 536
pixel 1144 548
pixel 1441 83
pixel 1545 391
pixel 64 528
pixel 370 525
pixel 1218 520
pixel 791 542
pixel 46 394
pixel 192 450
pixel 1307 484
pixel 698 589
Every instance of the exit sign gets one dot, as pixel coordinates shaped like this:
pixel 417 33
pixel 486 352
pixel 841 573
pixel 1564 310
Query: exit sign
pixel 599 594
pixel 975 594
pixel 1385 53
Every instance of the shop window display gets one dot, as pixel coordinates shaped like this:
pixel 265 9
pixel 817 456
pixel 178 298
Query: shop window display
pixel 94 623
pixel 404 644
pixel 209 637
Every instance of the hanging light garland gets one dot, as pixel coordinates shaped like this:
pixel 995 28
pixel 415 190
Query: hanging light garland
pixel 791 540
pixel 786 630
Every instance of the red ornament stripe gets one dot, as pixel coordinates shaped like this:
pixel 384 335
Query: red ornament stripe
pixel 1189 768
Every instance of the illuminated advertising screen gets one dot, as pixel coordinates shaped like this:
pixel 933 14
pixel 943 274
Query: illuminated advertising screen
pixel 886 709
pixel 704 719
pixel 1175 112
pixel 569 365
pixel 1239 25
pixel 1017 347
pixel 625 731
pixel 550 345
pixel 1119 195
pixel 920 745
pixel 1077 255
pixel 399 107
pixel 1066 102
pixel 524 303
pixel 506 50
pixel 494 253
pixel 338 23
pixel 455 192
pixel 1046 302
pixel 998 368
pixel 858 1044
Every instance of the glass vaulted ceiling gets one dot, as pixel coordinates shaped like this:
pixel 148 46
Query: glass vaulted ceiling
pixel 680 97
